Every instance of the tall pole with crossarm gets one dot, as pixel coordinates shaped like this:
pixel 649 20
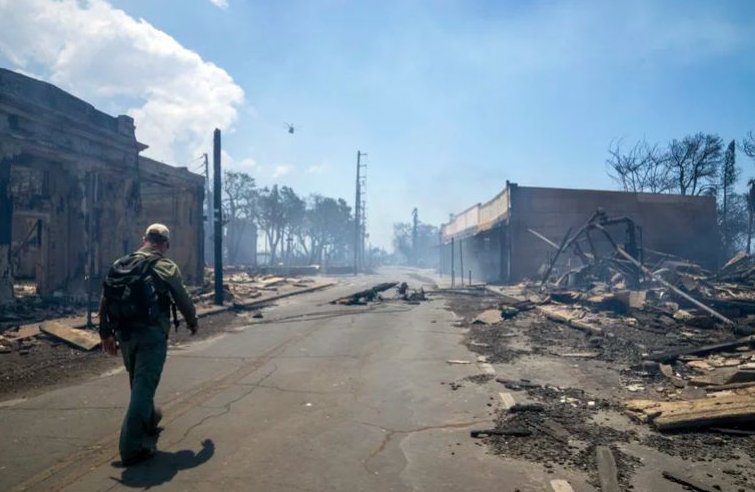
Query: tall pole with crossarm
pixel 218 219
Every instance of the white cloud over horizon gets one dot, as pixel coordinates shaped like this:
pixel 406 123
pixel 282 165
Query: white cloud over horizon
pixel 103 55
pixel 222 4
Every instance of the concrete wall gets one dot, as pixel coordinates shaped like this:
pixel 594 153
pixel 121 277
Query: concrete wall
pixel 681 225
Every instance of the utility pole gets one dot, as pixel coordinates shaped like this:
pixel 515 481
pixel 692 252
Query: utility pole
pixel 207 209
pixel 218 220
pixel 415 250
pixel 358 231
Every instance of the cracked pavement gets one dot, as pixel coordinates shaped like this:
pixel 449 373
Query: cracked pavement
pixel 311 397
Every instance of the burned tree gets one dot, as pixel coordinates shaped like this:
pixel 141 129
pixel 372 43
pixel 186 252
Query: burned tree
pixel 422 251
pixel 693 163
pixel 748 145
pixel 240 205
pixel 327 228
pixel 641 168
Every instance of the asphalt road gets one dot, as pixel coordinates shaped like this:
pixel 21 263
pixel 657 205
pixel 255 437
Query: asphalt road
pixel 313 397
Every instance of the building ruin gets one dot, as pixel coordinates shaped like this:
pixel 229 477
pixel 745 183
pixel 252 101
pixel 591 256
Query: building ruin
pixel 494 241
pixel 75 194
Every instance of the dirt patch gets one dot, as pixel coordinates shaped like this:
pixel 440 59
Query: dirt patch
pixel 493 341
pixel 563 434
pixel 50 364
pixel 479 378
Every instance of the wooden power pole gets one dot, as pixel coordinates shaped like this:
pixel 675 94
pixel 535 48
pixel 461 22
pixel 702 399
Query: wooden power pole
pixel 218 220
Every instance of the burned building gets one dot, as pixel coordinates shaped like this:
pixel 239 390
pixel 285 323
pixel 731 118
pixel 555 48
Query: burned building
pixel 75 194
pixel 497 241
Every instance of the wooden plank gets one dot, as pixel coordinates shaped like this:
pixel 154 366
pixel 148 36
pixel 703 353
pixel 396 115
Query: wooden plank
pixel 568 317
pixel 507 400
pixel 489 317
pixel 561 486
pixel 83 339
pixel 26 331
pixel 607 471
pixel 705 412
pixel 691 482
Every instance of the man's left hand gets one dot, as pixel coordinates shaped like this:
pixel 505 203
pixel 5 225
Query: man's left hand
pixel 109 346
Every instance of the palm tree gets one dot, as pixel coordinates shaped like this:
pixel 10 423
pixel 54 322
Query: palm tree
pixel 750 208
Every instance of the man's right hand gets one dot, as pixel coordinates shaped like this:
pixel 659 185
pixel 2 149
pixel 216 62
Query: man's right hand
pixel 193 327
pixel 109 346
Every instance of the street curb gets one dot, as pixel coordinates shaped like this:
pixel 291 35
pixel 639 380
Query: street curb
pixel 248 304
pixel 257 302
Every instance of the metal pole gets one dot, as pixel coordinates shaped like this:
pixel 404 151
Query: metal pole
pixel 357 213
pixel 218 220
pixel 678 292
pixel 415 250
pixel 461 261
pixel 470 278
pixel 453 271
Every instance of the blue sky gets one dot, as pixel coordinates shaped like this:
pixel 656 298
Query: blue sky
pixel 448 98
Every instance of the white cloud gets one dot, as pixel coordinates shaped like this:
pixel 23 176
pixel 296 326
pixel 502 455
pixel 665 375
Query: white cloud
pixel 223 4
pixel 103 55
pixel 317 169
pixel 281 170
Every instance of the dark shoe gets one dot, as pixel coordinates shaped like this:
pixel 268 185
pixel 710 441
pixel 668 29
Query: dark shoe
pixel 155 432
pixel 155 429
pixel 140 457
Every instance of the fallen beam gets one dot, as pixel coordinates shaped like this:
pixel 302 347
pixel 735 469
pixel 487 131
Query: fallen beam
pixel 558 315
pixel 514 431
pixel 607 471
pixel 368 294
pixel 701 350
pixel 691 482
pixel 693 414
pixel 678 292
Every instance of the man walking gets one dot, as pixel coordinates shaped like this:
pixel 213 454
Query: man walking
pixel 138 294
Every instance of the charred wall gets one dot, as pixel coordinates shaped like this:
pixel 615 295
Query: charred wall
pixel 71 183
pixel 175 197
pixel 497 246
pixel 680 225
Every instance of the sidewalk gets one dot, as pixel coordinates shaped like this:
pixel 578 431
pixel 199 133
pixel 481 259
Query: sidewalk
pixel 205 309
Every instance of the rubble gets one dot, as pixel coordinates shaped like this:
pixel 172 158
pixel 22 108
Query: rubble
pixel 712 411
pixel 365 296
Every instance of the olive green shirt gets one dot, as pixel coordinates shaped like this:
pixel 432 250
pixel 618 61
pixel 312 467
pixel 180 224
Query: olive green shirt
pixel 172 285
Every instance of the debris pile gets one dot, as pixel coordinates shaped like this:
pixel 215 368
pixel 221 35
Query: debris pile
pixel 686 332
pixel 242 285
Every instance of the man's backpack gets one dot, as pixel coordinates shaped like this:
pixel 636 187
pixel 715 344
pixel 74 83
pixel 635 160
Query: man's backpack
pixel 130 292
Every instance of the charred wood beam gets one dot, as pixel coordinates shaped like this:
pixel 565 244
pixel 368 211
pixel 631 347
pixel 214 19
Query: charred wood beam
pixel 563 245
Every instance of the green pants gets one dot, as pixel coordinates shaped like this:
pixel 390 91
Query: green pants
pixel 144 357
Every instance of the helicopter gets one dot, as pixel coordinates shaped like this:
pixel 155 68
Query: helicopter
pixel 291 128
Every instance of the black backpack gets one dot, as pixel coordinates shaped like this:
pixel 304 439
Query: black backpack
pixel 130 292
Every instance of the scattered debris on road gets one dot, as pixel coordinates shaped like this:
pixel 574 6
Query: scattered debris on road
pixel 364 296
